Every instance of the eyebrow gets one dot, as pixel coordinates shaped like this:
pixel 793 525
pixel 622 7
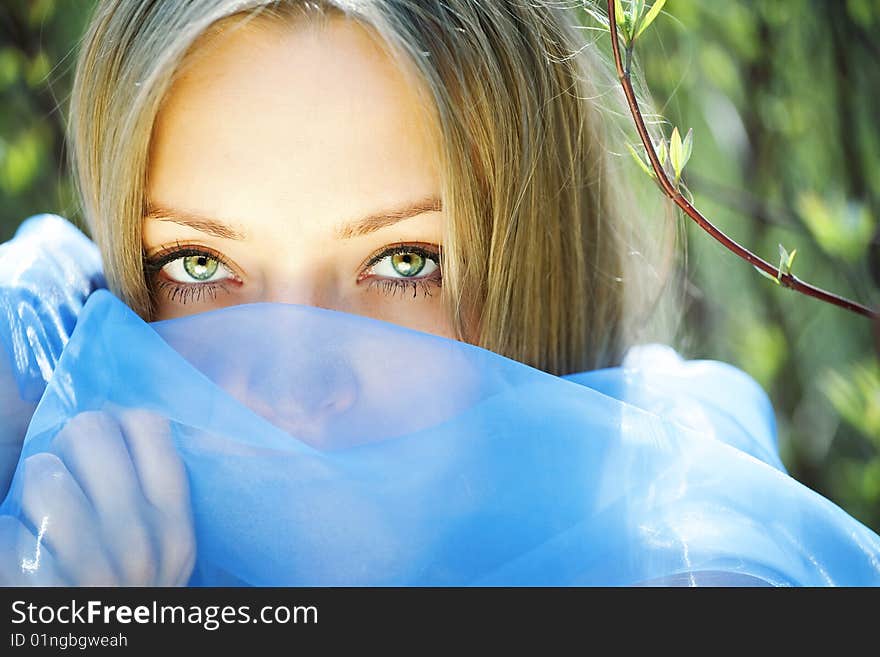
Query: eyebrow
pixel 356 228
pixel 373 222
pixel 195 221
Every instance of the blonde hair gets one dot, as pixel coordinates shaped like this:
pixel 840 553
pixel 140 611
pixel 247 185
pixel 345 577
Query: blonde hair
pixel 546 261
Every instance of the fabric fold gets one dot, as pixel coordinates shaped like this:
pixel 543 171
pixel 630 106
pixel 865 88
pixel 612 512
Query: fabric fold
pixel 322 448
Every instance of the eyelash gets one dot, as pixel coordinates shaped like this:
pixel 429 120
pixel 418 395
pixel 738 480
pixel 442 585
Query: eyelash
pixel 188 292
pixel 393 285
pixel 183 292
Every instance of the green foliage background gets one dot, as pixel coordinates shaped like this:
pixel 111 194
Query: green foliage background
pixel 782 96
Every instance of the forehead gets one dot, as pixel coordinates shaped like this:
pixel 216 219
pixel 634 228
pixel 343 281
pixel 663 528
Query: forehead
pixel 295 121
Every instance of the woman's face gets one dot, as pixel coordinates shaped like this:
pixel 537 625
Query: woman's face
pixel 293 164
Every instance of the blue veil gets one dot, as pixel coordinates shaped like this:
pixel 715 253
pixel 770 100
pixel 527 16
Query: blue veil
pixel 322 448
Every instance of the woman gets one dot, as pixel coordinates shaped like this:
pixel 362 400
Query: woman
pixel 439 166
pixel 321 120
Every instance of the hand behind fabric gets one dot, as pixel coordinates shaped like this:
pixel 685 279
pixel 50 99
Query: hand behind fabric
pixel 107 505
pixel 47 271
pixel 15 414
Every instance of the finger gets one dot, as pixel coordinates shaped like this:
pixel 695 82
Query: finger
pixel 54 504
pixel 177 550
pixel 164 482
pixel 24 559
pixel 92 447
pixel 160 469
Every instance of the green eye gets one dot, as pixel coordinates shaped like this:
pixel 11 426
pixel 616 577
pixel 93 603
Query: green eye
pixel 200 267
pixel 407 264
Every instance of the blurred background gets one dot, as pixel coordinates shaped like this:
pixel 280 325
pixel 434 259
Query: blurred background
pixel 783 99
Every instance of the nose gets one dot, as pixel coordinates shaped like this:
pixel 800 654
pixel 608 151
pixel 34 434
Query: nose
pixel 306 402
pixel 306 289
pixel 308 382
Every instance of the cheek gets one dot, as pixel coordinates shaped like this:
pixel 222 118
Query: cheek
pixel 425 313
pixel 167 308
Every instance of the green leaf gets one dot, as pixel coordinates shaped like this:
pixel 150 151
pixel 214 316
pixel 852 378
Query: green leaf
pixel 640 161
pixel 785 260
pixel 783 256
pixel 624 22
pixel 635 12
pixel 675 152
pixel 687 148
pixel 790 261
pixel 650 16
pixel 662 151
pixel 619 14
pixel 766 275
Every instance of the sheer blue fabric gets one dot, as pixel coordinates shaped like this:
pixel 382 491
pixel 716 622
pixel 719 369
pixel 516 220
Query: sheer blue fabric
pixel 46 273
pixel 273 444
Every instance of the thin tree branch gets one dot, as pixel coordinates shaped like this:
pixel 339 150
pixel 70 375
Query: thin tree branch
pixel 785 279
